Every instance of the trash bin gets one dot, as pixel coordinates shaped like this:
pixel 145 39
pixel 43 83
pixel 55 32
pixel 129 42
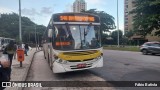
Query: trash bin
pixel 20 55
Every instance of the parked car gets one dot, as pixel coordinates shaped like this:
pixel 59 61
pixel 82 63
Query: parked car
pixel 150 47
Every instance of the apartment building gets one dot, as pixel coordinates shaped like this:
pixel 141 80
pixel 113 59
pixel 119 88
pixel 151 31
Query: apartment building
pixel 129 5
pixel 79 5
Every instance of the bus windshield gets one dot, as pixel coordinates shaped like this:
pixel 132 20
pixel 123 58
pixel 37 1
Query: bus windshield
pixel 76 37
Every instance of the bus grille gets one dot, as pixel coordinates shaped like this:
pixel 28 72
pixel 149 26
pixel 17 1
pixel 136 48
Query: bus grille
pixel 79 60
pixel 79 53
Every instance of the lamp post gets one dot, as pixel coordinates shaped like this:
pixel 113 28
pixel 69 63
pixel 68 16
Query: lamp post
pixel 20 25
pixel 36 37
pixel 117 26
pixel 20 29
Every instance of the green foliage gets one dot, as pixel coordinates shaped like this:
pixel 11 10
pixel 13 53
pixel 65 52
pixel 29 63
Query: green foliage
pixel 122 48
pixel 129 34
pixel 147 16
pixel 9 27
pixel 107 21
pixel 114 35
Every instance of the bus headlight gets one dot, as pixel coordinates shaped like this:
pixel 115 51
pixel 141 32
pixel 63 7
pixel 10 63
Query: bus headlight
pixel 61 61
pixel 97 58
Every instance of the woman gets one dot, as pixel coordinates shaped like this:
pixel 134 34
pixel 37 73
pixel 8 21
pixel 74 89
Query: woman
pixel 10 50
pixel 4 76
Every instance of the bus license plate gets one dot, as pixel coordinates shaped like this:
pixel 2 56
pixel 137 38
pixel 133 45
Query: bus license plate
pixel 81 65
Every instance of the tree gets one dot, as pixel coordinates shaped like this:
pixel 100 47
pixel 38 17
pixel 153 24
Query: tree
pixel 129 34
pixel 147 16
pixel 115 37
pixel 9 27
pixel 107 21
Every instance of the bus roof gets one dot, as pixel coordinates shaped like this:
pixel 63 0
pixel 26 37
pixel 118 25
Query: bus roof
pixel 75 17
pixel 72 13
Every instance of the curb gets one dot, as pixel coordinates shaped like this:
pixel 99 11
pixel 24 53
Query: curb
pixel 25 76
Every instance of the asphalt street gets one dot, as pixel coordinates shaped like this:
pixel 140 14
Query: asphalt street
pixel 129 66
pixel 118 66
pixel 40 71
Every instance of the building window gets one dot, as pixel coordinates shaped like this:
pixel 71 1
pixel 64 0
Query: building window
pixel 126 6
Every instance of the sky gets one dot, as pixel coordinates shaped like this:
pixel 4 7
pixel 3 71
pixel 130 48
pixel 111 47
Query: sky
pixel 40 11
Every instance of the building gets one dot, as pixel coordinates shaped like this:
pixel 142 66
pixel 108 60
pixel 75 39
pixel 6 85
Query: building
pixel 79 5
pixel 129 5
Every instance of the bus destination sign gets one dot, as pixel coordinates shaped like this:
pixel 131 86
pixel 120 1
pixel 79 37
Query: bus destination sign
pixel 77 18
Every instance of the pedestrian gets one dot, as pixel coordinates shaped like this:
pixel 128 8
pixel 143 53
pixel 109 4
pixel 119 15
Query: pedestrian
pixel 26 47
pixel 10 49
pixel 16 48
pixel 4 75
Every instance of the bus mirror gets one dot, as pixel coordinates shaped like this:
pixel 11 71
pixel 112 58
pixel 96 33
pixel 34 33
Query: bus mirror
pixel 50 33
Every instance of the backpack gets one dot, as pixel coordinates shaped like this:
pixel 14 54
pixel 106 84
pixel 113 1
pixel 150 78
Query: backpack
pixel 9 50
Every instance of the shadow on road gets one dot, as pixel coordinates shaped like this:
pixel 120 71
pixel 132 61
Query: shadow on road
pixel 73 74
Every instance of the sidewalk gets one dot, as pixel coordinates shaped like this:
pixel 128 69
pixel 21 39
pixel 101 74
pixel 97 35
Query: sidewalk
pixel 20 73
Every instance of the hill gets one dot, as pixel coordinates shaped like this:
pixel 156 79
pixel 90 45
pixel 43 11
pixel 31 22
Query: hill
pixel 9 27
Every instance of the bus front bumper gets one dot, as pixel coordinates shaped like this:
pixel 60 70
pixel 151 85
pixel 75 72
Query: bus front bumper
pixel 72 66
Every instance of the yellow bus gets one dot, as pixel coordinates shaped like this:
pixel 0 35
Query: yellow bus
pixel 72 41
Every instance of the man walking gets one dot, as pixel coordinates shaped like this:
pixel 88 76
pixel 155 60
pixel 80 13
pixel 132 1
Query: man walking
pixel 26 49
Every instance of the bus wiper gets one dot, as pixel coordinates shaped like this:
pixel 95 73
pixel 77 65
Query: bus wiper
pixel 80 37
pixel 85 35
pixel 67 31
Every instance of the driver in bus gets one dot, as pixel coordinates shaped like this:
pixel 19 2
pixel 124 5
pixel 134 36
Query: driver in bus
pixel 63 35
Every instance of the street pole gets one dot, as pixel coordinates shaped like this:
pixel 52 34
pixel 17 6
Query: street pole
pixel 36 37
pixel 38 40
pixel 117 25
pixel 29 38
pixel 20 29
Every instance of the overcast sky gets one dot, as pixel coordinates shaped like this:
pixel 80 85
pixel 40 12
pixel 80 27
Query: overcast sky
pixel 40 11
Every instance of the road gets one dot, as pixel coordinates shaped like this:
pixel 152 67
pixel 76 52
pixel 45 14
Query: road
pixel 118 66
pixel 129 66
pixel 40 71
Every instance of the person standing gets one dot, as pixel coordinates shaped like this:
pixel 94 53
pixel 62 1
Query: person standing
pixel 26 49
pixel 9 50
pixel 4 76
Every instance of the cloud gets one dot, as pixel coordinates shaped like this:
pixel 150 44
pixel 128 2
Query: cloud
pixel 46 10
pixel 33 11
pixel 68 8
pixel 5 10
pixel 30 12
pixel 96 2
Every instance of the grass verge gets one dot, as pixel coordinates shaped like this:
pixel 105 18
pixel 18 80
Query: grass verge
pixel 126 48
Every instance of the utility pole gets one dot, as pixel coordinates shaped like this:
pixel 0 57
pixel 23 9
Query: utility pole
pixel 20 25
pixel 117 26
pixel 36 37
pixel 20 29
